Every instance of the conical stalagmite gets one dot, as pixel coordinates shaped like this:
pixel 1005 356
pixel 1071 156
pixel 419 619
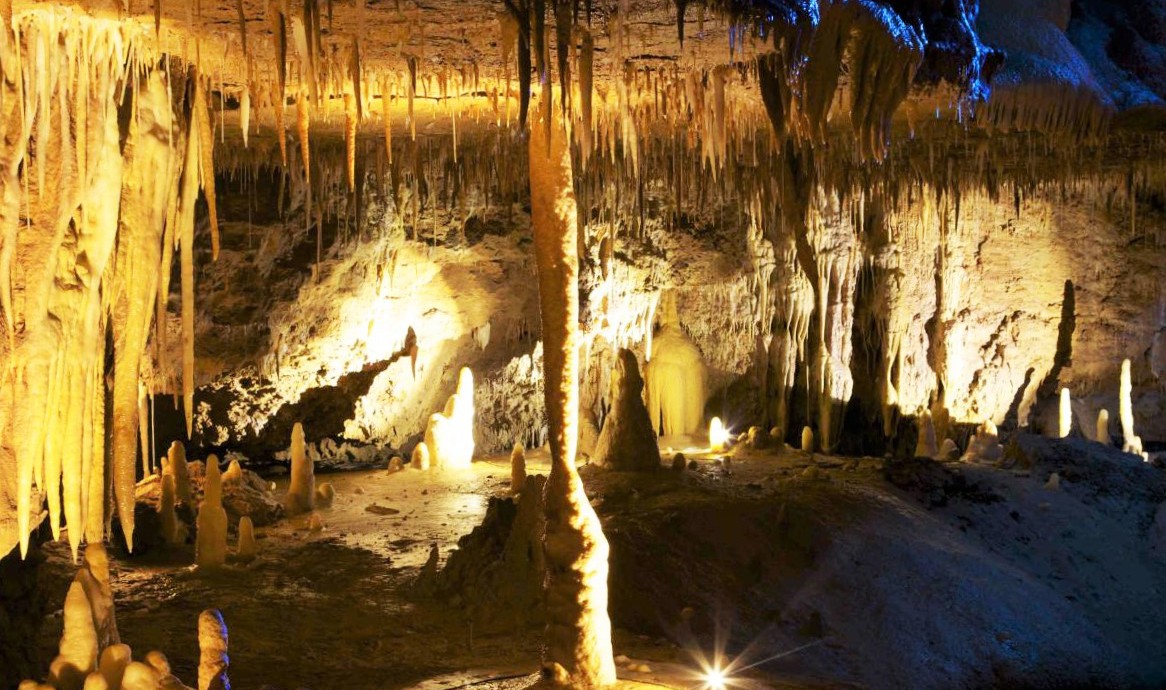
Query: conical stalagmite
pixel 1064 414
pixel 517 468
pixel 1103 427
pixel 301 493
pixel 627 441
pixel 247 550
pixel 211 544
pixel 78 648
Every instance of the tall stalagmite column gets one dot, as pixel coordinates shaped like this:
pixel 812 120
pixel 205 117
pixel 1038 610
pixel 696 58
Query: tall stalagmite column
pixel 578 627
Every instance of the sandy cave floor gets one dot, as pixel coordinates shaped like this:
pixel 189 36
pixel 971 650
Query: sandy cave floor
pixel 804 545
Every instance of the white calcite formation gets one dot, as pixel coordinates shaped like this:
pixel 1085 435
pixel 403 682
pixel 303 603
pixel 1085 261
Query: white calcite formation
pixel 578 638
pixel 301 492
pixel 984 447
pixel 210 550
pixel 1103 427
pixel 1064 414
pixel 420 458
pixel 1125 407
pixel 450 434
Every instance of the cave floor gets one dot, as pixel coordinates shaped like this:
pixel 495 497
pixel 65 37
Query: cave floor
pixel 832 570
pixel 334 608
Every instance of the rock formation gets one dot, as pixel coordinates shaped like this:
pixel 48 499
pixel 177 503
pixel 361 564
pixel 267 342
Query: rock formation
pixel 247 549
pixel 675 376
pixel 1064 414
pixel 578 627
pixel 1103 427
pixel 212 644
pixel 420 458
pixel 301 493
pixel 210 549
pixel 627 441
pixel 517 468
pixel 450 434
pixel 926 445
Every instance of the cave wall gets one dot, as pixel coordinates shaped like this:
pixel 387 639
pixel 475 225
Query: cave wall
pixel 965 290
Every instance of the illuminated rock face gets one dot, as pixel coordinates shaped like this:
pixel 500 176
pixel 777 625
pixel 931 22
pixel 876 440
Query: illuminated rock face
pixel 578 627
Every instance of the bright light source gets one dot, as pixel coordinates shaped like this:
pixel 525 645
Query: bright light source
pixel 718 435
pixel 714 679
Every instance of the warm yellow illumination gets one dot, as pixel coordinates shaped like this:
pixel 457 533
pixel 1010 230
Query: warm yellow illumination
pixel 718 435
pixel 714 679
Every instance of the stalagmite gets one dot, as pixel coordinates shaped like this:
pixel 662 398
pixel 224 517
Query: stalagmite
pixel 948 451
pixel 212 644
pixel 325 495
pixel 94 681
pixel 94 577
pixel 210 550
pixel 234 473
pixel 449 435
pixel 517 468
pixel 301 493
pixel 420 458
pixel 1125 408
pixel 112 665
pixel 140 676
pixel 675 376
pixel 627 441
pixel 985 445
pixel 718 435
pixel 247 550
pixel 1103 427
pixel 1064 414
pixel 807 439
pixel 78 648
pixel 172 529
pixel 176 462
pixel 926 445
pixel 578 627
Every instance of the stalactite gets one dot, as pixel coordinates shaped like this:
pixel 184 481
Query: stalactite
pixel 200 115
pixel 188 197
